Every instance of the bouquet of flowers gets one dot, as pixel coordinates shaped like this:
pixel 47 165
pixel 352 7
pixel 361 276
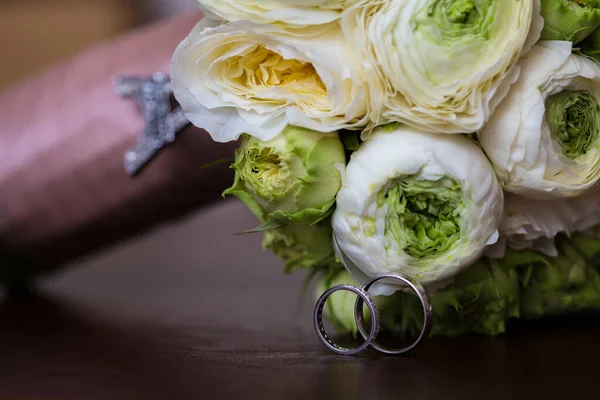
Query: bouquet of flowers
pixel 456 142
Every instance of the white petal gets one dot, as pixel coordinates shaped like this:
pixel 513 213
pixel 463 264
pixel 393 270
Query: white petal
pixel 534 224
pixel 427 83
pixel 293 13
pixel 210 84
pixel 404 153
pixel 517 138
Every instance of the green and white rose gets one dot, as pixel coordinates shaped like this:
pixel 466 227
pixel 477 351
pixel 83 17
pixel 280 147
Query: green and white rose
pixel 294 177
pixel 544 138
pixel 415 203
pixel 244 77
pixel 439 65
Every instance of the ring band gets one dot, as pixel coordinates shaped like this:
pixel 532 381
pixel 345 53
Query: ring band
pixel 364 297
pixel 427 313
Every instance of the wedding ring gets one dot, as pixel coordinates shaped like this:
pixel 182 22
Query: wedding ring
pixel 369 337
pixel 425 303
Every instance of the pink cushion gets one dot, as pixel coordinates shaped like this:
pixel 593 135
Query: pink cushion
pixel 63 190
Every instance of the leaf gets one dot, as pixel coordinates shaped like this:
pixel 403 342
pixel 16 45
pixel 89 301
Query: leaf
pixel 267 226
pixel 216 163
pixel 350 140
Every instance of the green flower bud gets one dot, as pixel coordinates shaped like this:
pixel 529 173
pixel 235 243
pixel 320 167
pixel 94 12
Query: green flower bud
pixel 481 300
pixel 567 283
pixel 290 178
pixel 302 245
pixel 570 20
pixel 524 284
pixel 407 208
pixel 574 120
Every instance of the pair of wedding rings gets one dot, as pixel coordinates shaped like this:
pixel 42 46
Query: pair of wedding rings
pixel 370 336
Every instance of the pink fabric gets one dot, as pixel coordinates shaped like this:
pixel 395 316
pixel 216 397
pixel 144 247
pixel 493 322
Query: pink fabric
pixel 62 138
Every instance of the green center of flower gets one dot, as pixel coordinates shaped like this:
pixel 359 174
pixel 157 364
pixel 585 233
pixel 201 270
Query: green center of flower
pixel 450 20
pixel 423 217
pixel 585 3
pixel 458 39
pixel 462 12
pixel 266 172
pixel 574 120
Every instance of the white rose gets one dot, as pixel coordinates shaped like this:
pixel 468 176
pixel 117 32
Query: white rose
pixel 437 65
pixel 534 224
pixel 293 13
pixel 257 79
pixel 544 138
pixel 419 204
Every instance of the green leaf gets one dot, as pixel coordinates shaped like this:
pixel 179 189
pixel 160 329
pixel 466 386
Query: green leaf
pixel 481 300
pixel 302 245
pixel 216 163
pixel 525 284
pixel 351 140
pixel 569 20
pixel 267 226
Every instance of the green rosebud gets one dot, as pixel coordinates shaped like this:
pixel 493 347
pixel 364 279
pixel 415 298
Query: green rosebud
pixel 302 245
pixel 567 283
pixel 481 300
pixel 524 284
pixel 293 177
pixel 570 20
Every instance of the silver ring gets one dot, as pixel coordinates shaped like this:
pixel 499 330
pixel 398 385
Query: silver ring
pixel 427 313
pixel 375 323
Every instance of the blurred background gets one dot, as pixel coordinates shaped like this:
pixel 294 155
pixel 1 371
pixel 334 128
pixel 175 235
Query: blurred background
pixel 57 29
pixel 64 193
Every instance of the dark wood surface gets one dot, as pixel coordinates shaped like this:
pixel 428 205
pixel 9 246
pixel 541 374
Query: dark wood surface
pixel 194 312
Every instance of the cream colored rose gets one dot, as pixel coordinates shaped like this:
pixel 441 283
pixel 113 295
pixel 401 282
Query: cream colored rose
pixel 243 77
pixel 437 65
pixel 293 13
pixel 544 138
pixel 416 203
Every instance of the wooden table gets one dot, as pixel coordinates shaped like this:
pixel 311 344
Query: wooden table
pixel 194 312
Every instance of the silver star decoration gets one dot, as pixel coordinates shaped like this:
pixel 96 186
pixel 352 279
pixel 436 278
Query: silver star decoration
pixel 162 124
